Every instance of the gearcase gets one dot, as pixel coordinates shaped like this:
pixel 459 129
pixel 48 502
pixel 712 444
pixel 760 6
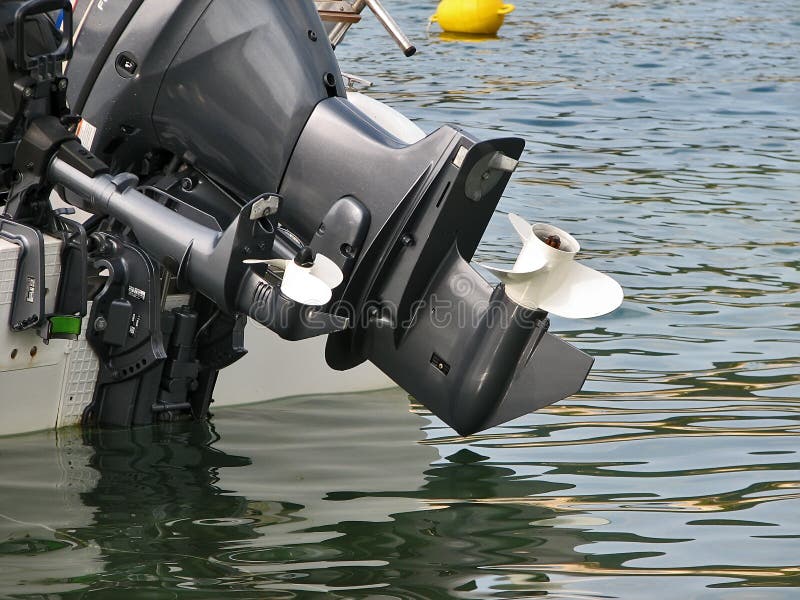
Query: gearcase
pixel 222 162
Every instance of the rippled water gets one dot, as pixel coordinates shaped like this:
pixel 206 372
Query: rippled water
pixel 664 135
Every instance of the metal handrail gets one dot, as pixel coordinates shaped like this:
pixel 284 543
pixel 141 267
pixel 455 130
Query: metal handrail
pixel 343 19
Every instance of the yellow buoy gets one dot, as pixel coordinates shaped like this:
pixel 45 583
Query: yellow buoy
pixel 471 16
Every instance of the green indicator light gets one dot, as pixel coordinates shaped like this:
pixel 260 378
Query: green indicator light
pixel 65 325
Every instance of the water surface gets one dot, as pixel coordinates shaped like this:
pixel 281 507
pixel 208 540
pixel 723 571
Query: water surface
pixel 664 136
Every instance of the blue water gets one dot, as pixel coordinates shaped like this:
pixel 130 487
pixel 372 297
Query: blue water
pixel 665 137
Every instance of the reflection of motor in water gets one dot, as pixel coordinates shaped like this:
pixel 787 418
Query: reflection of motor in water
pixel 159 508
pixel 163 516
pixel 154 483
pixel 480 516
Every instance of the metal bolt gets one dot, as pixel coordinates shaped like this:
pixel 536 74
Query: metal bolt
pixel 28 92
pixel 62 85
pixel 407 239
pixel 100 323
pixel 312 35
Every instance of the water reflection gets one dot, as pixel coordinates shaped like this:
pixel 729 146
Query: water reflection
pixel 121 505
pixel 148 510
pixel 478 517
pixel 271 501
pixel 452 36
pixel 154 485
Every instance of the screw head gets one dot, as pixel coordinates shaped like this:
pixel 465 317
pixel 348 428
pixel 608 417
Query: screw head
pixel 100 323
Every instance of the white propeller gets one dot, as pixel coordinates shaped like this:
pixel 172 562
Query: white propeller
pixel 546 276
pixel 307 279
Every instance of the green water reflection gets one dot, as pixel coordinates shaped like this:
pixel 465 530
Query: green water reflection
pixel 371 513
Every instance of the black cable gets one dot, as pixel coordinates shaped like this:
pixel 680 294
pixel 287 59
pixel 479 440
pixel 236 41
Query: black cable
pixel 206 325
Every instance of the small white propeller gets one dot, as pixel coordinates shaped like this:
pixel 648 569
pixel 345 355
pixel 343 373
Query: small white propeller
pixel 546 276
pixel 307 279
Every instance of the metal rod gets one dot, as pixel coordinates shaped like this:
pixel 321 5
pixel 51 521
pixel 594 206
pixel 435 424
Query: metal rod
pixel 159 230
pixel 337 33
pixel 391 26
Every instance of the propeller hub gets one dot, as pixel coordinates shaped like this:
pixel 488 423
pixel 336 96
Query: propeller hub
pixel 553 241
pixel 304 257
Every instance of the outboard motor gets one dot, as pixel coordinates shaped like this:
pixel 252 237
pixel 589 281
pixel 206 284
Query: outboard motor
pixel 236 164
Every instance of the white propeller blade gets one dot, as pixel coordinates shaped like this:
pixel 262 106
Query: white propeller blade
pixel 302 286
pixel 307 285
pixel 327 270
pixel 546 276
pixel 275 263
pixel 524 229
